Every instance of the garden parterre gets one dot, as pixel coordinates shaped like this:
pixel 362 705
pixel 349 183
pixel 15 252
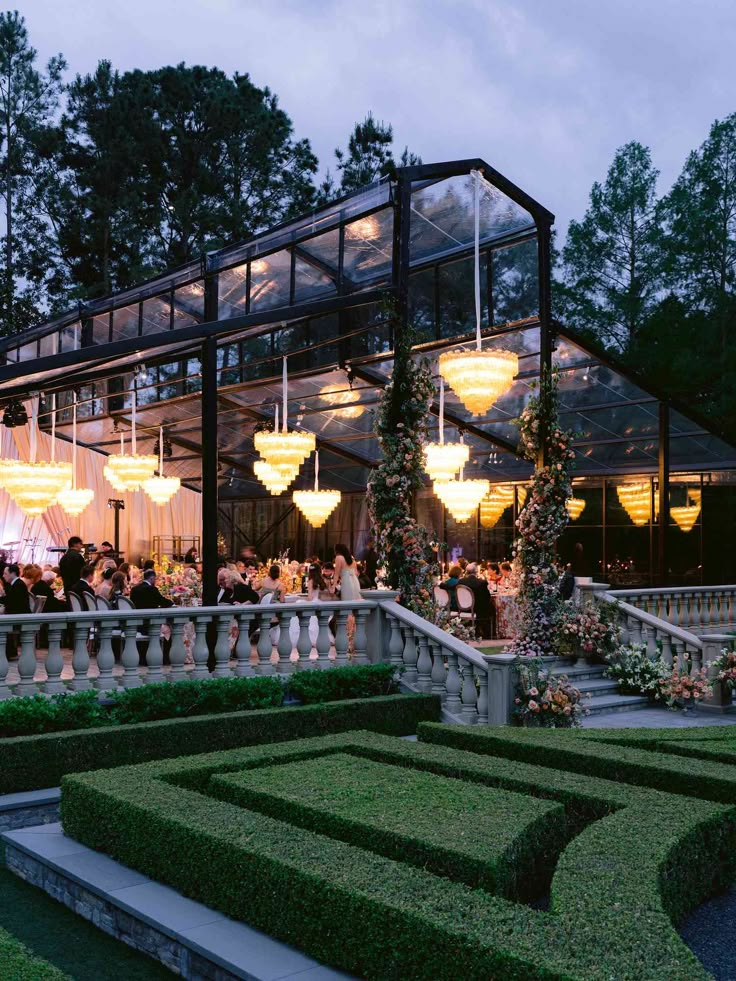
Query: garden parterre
pixel 320 869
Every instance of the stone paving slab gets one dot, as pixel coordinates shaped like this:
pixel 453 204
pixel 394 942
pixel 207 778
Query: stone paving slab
pixel 188 937
pixel 657 718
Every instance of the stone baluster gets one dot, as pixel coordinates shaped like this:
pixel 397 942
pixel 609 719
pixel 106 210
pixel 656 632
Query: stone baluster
pixel 200 651
pixel 80 657
pixel 154 651
pixel 677 611
pixel 283 644
pixel 690 613
pixel 679 654
pixel 623 627
pixel 634 625
pixel 178 652
pixel 304 641
pixel 439 672
pixel 666 648
pixel 469 696
pixel 5 692
pixel 54 661
pixel 264 645
pixel 243 667
pixel 222 646
pixel 652 649
pixel 410 656
pixel 453 685
pixel 27 660
pixel 396 643
pixel 482 677
pixel 324 642
pixel 105 657
pixel 696 658
pixel 341 639
pixel 130 658
pixel 360 641
pixel 424 662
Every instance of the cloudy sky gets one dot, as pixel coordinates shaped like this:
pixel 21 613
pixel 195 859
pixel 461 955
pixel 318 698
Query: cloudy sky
pixel 544 90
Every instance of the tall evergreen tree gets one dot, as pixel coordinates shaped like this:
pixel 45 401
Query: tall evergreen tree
pixel 369 156
pixel 28 99
pixel 612 260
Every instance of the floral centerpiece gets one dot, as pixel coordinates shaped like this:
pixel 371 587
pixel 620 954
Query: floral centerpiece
pixel 178 582
pixel 546 701
pixel 403 544
pixel 291 572
pixel 541 522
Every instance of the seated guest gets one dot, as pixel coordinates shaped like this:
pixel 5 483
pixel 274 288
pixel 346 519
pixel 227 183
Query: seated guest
pixel 191 557
pixel 16 592
pixel 317 588
pixel 105 588
pixel 463 563
pixel 453 578
pixel 124 567
pixel 272 583
pixel 31 575
pixel 232 589
pixel 483 608
pixel 84 583
pixel 118 587
pixel 44 588
pixel 149 564
pixel 224 592
pixel 494 572
pixel 146 596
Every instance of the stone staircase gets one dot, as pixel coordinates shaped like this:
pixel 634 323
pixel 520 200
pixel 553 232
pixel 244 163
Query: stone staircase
pixel 605 697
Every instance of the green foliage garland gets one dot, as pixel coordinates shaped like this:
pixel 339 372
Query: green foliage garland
pixel 401 427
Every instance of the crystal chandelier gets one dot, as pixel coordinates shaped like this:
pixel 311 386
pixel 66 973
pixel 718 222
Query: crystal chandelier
pixel 490 511
pixel 284 450
pixel 127 471
pixel 461 497
pixel 443 460
pixel 686 516
pixel 35 486
pixel 74 500
pixel 316 505
pixel 161 489
pixel 636 500
pixel 479 378
pixel 273 480
pixel 575 507
pixel 343 400
pixel 521 495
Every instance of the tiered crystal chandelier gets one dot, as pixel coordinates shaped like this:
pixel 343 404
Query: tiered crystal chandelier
pixel 161 489
pixel 443 460
pixel 129 470
pixel 316 505
pixel 273 480
pixel 35 486
pixel 636 500
pixel 493 505
pixel 575 507
pixel 478 378
pixel 461 497
pixel 686 516
pixel 74 500
pixel 284 451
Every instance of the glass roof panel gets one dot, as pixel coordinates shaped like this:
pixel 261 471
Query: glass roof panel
pixel 270 281
pixel 369 248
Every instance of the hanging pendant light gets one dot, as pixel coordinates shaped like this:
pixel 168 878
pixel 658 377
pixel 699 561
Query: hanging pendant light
pixel 575 507
pixel 478 378
pixel 686 516
pixel 161 489
pixel 490 512
pixel 131 469
pixel 316 505
pixel 521 495
pixel 442 460
pixel 273 480
pixel 636 500
pixel 35 486
pixel 74 500
pixel 109 472
pixel 284 449
pixel 461 497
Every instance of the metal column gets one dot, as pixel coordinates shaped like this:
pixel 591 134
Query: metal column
pixel 664 493
pixel 544 272
pixel 209 452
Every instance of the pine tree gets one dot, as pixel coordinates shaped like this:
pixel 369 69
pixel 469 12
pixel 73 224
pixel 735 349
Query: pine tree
pixel 612 260
pixel 368 155
pixel 28 100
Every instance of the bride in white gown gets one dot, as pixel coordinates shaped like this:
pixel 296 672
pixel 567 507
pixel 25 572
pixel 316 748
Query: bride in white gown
pixel 346 572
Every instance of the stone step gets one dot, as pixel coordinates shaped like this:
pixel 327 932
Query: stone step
pixel 578 670
pixel 598 686
pixel 603 704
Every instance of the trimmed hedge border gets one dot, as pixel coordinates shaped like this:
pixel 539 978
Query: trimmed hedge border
pixel 646 859
pixel 17 963
pixel 35 762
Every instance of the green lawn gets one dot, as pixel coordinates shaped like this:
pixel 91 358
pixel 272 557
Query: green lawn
pixel 62 938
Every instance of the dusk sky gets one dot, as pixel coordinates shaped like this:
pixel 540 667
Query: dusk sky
pixel 544 90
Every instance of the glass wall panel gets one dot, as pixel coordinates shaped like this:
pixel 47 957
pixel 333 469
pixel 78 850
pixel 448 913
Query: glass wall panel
pixel 457 297
pixel 515 282
pixel 49 344
pixel 29 351
pixel 125 322
pixel 325 249
pixel 169 379
pixel 232 285
pixel 189 304
pixel 369 249
pixel 70 337
pixel 101 328
pixel 270 280
pixel 228 358
pixel 311 282
pixel 157 314
pixel 421 304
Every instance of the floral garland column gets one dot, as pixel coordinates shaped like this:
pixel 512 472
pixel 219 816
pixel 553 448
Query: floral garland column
pixel 401 428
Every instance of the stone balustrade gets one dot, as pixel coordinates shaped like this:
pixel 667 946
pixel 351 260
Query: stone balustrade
pixel 694 608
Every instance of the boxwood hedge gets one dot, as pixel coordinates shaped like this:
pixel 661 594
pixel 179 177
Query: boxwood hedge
pixel 642 859
pixel 33 762
pixel 17 963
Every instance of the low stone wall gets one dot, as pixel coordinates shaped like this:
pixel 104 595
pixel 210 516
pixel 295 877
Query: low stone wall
pixel 29 808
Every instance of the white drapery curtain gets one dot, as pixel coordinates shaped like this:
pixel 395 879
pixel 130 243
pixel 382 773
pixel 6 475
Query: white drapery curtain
pixel 139 522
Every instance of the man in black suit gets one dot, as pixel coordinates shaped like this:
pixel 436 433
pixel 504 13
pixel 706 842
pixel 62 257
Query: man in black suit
pixel 16 592
pixel 71 564
pixel 484 612
pixel 232 589
pixel 84 583
pixel 146 596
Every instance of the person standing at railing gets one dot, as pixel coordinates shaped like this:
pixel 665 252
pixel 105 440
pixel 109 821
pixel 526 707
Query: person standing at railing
pixel 346 573
pixel 71 565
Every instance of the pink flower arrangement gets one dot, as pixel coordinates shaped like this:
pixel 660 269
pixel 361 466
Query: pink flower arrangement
pixel 547 701
pixel 682 688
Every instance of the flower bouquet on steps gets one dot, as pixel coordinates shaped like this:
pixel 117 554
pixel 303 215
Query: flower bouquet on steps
pixel 546 701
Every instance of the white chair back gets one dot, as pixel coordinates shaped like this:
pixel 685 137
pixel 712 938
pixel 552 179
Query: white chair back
pixel 75 602
pixel 102 603
pixel 441 597
pixel 90 601
pixel 124 603
pixel 266 598
pixel 40 603
pixel 465 599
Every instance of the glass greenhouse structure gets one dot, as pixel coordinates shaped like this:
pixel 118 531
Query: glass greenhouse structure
pixel 204 344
